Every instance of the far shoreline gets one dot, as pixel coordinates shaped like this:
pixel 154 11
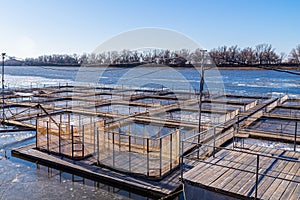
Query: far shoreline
pixel 187 66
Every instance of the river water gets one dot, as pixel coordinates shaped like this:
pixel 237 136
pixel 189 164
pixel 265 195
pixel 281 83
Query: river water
pixel 22 179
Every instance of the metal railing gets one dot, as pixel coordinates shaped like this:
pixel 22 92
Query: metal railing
pixel 152 157
pixel 259 171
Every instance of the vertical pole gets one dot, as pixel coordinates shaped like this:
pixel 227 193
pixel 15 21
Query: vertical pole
pixel 200 98
pixel 295 136
pixel 113 149
pixel 171 151
pixel 95 132
pixel 256 181
pixel 68 125
pixel 119 139
pixel 160 156
pixel 72 141
pixel 181 163
pixel 98 144
pixel 201 85
pixel 129 150
pixel 60 118
pixel 59 138
pixel 3 117
pixel 37 130
pixel 147 156
pixel 82 143
pixel 233 135
pixel 214 129
pixel 47 136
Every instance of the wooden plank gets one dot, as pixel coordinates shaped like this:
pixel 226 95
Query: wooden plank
pixel 270 135
pixel 244 177
pixel 296 193
pixel 202 167
pixel 291 186
pixel 215 171
pixel 240 174
pixel 17 123
pixel 250 183
pixel 233 162
pixel 230 174
pixel 280 190
pixel 168 185
pixel 218 174
pixel 282 187
pixel 279 169
pixel 280 116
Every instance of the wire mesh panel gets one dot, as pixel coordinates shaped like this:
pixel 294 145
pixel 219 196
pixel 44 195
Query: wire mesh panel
pixel 165 158
pixel 151 157
pixel 56 134
pixel 175 153
pixel 65 138
pixel 117 148
pixel 41 134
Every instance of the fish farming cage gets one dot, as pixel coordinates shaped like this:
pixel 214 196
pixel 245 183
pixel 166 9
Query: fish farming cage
pixel 149 156
pixel 110 144
pixel 68 134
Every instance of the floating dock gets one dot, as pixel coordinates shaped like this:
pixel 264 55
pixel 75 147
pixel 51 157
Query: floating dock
pixel 241 169
pixel 247 173
pixel 149 139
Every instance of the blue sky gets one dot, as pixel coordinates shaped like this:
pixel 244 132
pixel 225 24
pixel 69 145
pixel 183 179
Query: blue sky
pixel 35 27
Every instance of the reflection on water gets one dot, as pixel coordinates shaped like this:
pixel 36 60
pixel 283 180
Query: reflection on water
pixel 21 179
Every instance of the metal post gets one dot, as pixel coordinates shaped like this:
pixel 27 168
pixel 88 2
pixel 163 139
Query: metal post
pixel 47 136
pixel 147 156
pixel 160 156
pixel 37 130
pixel 233 135
pixel 98 144
pixel 72 141
pixel 94 136
pixel 119 139
pixel 59 138
pixel 113 149
pixel 181 163
pixel 295 136
pixel 129 150
pixel 69 122
pixel 256 181
pixel 201 85
pixel 214 142
pixel 3 114
pixel 82 145
pixel 171 151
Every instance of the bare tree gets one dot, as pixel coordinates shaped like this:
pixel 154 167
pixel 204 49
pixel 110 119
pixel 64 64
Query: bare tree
pixel 295 55
pixel 282 57
pixel 233 52
pixel 247 56
pixel 265 54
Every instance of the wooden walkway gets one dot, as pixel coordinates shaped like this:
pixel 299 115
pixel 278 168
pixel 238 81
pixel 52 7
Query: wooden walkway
pixel 86 168
pixel 233 173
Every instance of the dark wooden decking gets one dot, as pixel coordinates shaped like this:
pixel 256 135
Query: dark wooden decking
pixel 228 173
pixel 86 169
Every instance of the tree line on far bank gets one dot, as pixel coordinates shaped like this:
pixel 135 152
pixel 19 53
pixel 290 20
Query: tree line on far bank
pixel 262 54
